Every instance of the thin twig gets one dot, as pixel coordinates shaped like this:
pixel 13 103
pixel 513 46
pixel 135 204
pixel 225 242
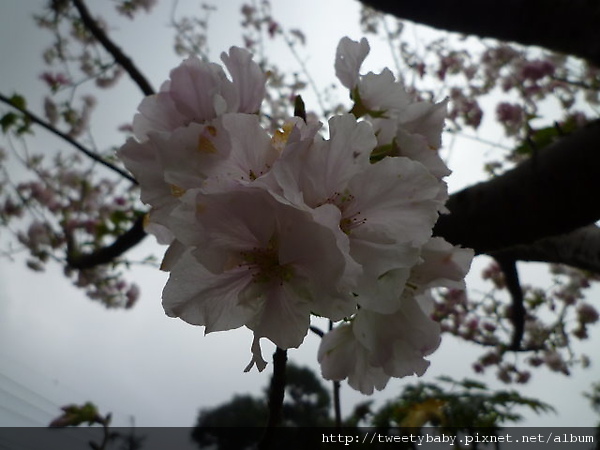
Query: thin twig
pixel 90 154
pixel 307 74
pixel 316 330
pixel 120 57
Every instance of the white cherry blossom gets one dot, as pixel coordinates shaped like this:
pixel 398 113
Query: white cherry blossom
pixel 349 57
pixel 374 347
pixel 266 229
pixel 387 209
pixel 413 128
pixel 257 263
pixel 199 91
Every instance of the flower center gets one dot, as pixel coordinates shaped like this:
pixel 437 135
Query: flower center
pixel 348 221
pixel 265 264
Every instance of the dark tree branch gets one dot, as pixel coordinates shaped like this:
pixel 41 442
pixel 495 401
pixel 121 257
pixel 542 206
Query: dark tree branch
pixel 517 314
pixel 579 248
pixel 547 195
pixel 49 127
pixel 276 395
pixel 123 60
pixel 566 26
pixel 107 254
pixel 317 331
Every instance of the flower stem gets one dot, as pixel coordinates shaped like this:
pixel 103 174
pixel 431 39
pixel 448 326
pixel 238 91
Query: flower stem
pixel 337 409
pixel 336 405
pixel 276 395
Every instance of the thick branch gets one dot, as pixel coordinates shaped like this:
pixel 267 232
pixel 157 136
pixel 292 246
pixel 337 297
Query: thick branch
pixel 123 60
pixel 94 156
pixel 579 248
pixel 567 26
pixel 549 194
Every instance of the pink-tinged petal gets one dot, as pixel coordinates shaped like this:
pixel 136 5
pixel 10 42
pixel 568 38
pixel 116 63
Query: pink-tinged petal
pixel 342 356
pixel 167 164
pixel 194 85
pixel 157 113
pixel 382 294
pixel 381 92
pixel 330 216
pixel 325 168
pixel 406 361
pixel 234 222
pixel 337 353
pixel 191 154
pixel 163 235
pixel 427 120
pixel 142 160
pixel 251 154
pixel 248 81
pixel 415 147
pixel 385 129
pixel 175 251
pixel 395 197
pixel 199 92
pixel 201 298
pixel 366 378
pixel 398 342
pixel 349 57
pixel 284 314
pixel 379 253
pixel 317 172
pixel 349 148
pixel 318 255
pixel 444 265
pixel 420 337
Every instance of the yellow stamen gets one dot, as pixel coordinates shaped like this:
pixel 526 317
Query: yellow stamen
pixel 205 145
pixel 177 191
pixel 281 137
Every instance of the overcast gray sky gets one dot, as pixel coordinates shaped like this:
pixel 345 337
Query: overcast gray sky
pixel 58 347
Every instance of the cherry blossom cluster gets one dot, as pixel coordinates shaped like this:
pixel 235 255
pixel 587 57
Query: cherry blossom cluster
pixel 65 211
pixel 555 317
pixel 266 229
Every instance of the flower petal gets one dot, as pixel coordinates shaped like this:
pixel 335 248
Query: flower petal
pixel 349 57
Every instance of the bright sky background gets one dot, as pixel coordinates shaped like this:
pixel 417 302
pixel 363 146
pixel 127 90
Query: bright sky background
pixel 57 347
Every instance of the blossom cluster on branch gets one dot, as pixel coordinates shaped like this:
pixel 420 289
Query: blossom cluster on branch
pixel 267 229
pixel 67 212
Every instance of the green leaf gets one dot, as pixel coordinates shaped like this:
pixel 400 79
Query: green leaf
pixel 18 101
pixel 472 384
pixel 8 120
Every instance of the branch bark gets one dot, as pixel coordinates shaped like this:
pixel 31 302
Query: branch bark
pixel 276 396
pixel 123 60
pixel 517 314
pixel 105 255
pixel 547 195
pixel 52 129
pixel 566 26
pixel 579 248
